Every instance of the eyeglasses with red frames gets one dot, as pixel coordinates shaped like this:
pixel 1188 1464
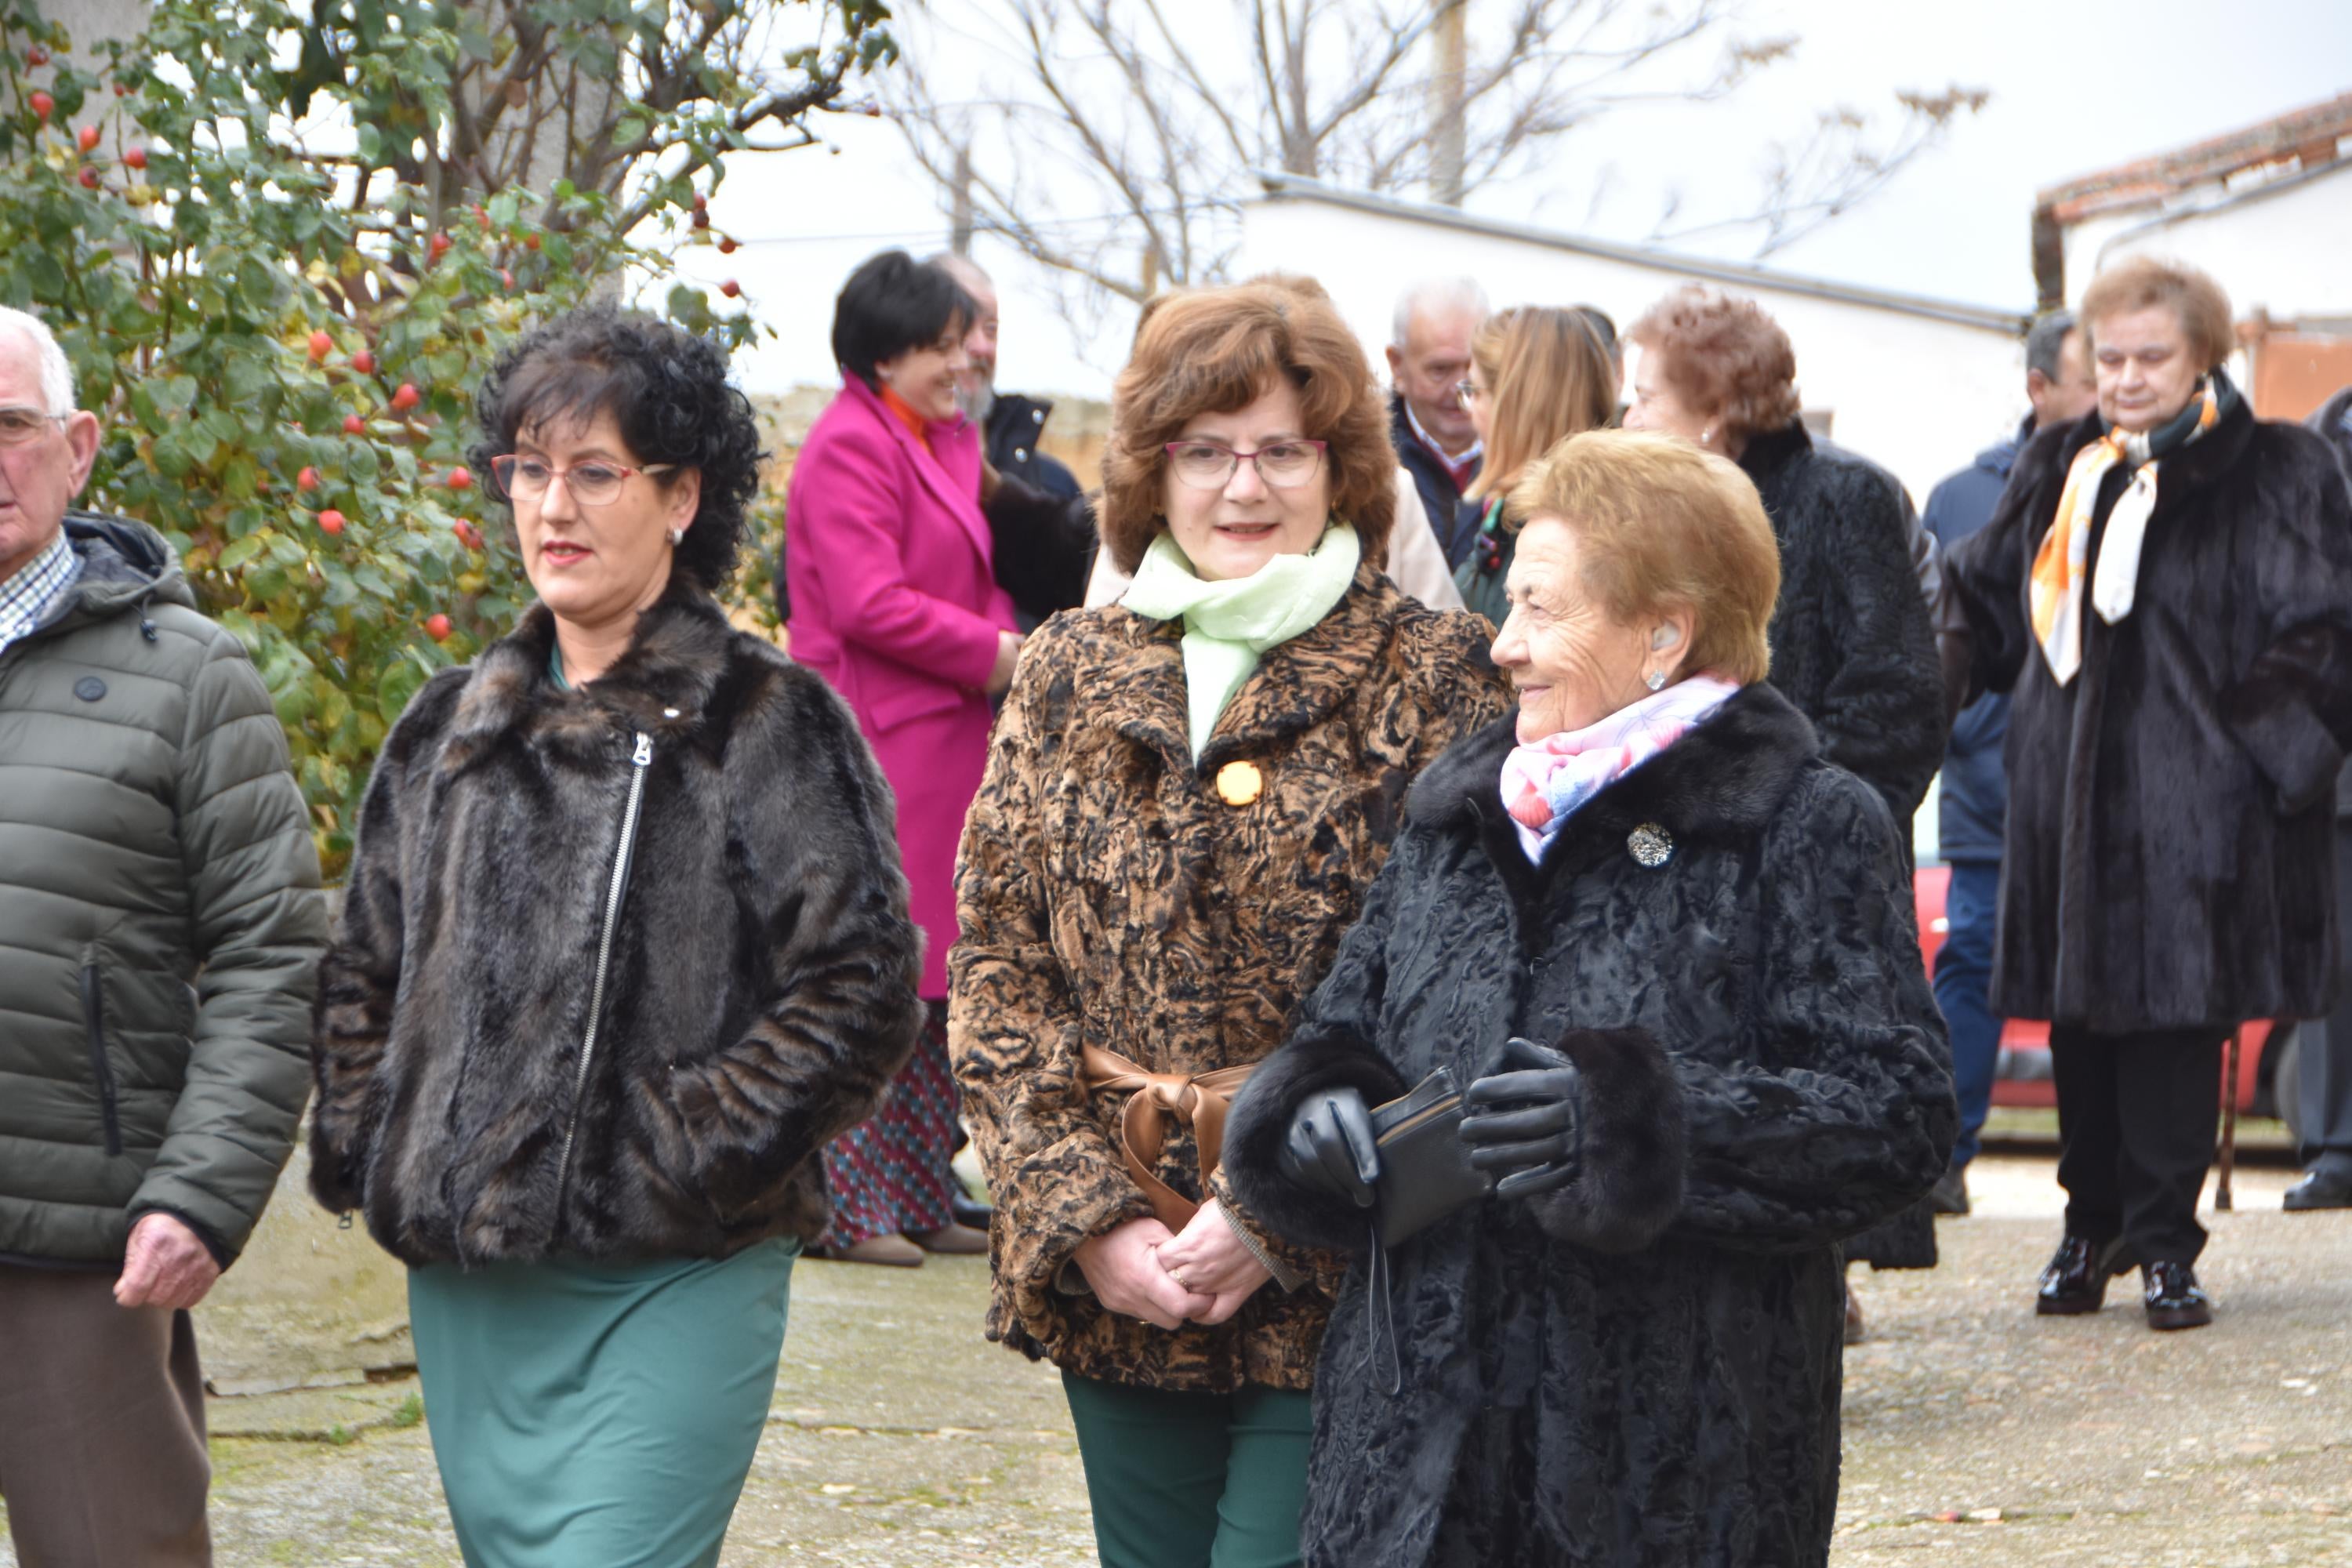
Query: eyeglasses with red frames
pixel 591 483
pixel 1285 465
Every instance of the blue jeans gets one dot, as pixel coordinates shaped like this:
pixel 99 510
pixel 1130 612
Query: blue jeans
pixel 1963 973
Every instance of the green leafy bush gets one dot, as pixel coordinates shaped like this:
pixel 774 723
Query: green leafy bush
pixel 244 230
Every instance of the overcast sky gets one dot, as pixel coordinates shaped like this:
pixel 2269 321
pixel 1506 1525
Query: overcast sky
pixel 2077 86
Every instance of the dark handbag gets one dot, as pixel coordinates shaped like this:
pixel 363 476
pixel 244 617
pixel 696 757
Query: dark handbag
pixel 1426 1170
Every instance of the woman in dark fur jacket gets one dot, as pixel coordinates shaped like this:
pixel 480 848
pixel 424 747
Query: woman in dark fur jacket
pixel 2167 588
pixel 624 942
pixel 1667 949
pixel 1854 646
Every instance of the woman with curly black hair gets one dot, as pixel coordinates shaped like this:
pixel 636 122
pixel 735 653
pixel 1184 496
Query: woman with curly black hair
pixel 625 941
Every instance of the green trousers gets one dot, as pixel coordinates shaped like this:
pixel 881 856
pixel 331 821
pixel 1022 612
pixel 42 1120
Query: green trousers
pixel 1194 1480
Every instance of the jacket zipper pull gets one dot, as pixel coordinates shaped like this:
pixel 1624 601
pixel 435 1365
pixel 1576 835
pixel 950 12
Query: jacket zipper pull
pixel 644 751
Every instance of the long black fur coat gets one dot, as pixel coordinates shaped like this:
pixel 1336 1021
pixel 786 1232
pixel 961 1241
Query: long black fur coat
pixel 762 989
pixel 2170 858
pixel 1640 1370
pixel 1853 644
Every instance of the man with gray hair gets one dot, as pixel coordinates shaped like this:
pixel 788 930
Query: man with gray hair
pixel 1429 358
pixel 1973 806
pixel 161 919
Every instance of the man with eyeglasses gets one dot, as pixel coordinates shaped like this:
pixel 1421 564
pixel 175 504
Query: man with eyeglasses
pixel 160 921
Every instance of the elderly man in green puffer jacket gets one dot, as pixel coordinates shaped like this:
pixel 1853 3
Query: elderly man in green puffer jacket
pixel 159 929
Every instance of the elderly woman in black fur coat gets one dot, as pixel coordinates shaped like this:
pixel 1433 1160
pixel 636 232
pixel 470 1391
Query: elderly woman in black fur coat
pixel 2167 588
pixel 1669 947
pixel 1852 642
pixel 624 942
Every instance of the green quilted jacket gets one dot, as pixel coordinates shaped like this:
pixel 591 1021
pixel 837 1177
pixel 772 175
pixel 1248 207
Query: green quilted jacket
pixel 160 918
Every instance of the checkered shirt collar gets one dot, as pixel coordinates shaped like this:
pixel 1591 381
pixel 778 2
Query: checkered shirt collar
pixel 33 589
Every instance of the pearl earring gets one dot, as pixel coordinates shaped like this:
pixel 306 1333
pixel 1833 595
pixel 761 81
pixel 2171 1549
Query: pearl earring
pixel 676 536
pixel 1706 436
pixel 1657 681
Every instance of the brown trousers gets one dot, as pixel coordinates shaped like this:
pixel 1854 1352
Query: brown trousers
pixel 102 1459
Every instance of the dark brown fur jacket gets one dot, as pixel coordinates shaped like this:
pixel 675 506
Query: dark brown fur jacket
pixel 761 985
pixel 2170 859
pixel 1108 895
pixel 1640 1369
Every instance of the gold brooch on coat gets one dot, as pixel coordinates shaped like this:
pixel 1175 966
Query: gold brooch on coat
pixel 1240 784
pixel 1651 844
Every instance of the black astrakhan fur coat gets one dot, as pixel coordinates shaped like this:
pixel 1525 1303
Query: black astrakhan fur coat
pixel 1853 644
pixel 761 986
pixel 2170 858
pixel 1640 1370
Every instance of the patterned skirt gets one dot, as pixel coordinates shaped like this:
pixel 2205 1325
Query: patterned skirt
pixel 891 1173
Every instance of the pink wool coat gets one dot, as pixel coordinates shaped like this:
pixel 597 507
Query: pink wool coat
pixel 887 562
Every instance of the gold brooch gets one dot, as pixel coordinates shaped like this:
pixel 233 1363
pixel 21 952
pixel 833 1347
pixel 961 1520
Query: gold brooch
pixel 1240 784
pixel 1651 844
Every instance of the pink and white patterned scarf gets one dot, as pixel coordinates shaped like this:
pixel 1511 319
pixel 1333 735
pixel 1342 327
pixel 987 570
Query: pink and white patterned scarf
pixel 1544 781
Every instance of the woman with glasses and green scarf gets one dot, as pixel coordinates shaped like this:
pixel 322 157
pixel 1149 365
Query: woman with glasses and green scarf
pixel 1187 796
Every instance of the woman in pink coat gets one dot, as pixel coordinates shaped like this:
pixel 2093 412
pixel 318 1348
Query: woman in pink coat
pixel 893 597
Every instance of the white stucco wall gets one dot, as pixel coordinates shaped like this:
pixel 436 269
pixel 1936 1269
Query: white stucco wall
pixel 1919 395
pixel 2287 251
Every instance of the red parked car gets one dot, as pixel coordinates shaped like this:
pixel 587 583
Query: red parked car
pixel 2265 1065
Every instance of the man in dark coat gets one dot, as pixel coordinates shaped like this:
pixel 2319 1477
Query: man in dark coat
pixel 2325 1056
pixel 1429 358
pixel 2179 724
pixel 1975 798
pixel 1042 522
pixel 162 923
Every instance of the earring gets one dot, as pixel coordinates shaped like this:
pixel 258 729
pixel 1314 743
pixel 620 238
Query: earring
pixel 1655 681
pixel 1706 436
pixel 677 535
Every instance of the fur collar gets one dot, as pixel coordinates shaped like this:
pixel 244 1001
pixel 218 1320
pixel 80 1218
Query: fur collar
pixel 1766 452
pixel 1719 784
pixel 1296 685
pixel 664 684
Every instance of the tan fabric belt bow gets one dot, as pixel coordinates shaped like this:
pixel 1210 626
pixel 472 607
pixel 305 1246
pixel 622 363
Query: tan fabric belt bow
pixel 1157 1099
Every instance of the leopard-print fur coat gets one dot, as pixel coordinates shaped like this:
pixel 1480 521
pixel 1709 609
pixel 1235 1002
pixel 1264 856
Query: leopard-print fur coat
pixel 1108 895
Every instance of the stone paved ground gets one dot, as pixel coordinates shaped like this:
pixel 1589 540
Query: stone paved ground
pixel 1977 1436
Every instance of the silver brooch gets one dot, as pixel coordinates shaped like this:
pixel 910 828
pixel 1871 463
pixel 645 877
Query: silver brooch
pixel 1651 844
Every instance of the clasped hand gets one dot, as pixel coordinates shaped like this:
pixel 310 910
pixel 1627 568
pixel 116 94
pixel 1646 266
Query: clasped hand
pixel 1141 1270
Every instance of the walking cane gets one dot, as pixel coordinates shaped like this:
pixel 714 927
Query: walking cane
pixel 2229 1119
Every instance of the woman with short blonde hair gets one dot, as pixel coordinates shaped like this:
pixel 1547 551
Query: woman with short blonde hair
pixel 1188 793
pixel 1663 949
pixel 2166 589
pixel 1537 375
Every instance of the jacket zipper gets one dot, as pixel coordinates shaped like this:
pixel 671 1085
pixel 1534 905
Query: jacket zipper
pixel 109 1107
pixel 638 760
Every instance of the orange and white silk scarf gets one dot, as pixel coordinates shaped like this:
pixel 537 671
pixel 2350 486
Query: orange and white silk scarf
pixel 2061 565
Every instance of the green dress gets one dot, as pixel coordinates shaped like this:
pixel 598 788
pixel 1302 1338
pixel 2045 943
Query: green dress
pixel 598 1412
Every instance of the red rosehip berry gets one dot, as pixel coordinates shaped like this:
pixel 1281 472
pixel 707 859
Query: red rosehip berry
pixel 308 479
pixel 43 104
pixel 364 363
pixel 406 397
pixel 330 521
pixel 86 138
pixel 438 627
pixel 134 157
pixel 730 289
pixel 354 425
pixel 321 346
pixel 726 244
pixel 460 480
pixel 89 178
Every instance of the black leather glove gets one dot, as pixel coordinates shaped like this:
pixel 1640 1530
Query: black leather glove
pixel 1329 1147
pixel 1521 1123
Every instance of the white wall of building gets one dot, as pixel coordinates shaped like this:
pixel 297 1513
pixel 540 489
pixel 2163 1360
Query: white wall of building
pixel 2286 251
pixel 1918 395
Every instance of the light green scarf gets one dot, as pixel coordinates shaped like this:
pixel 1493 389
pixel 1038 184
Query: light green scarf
pixel 1227 626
